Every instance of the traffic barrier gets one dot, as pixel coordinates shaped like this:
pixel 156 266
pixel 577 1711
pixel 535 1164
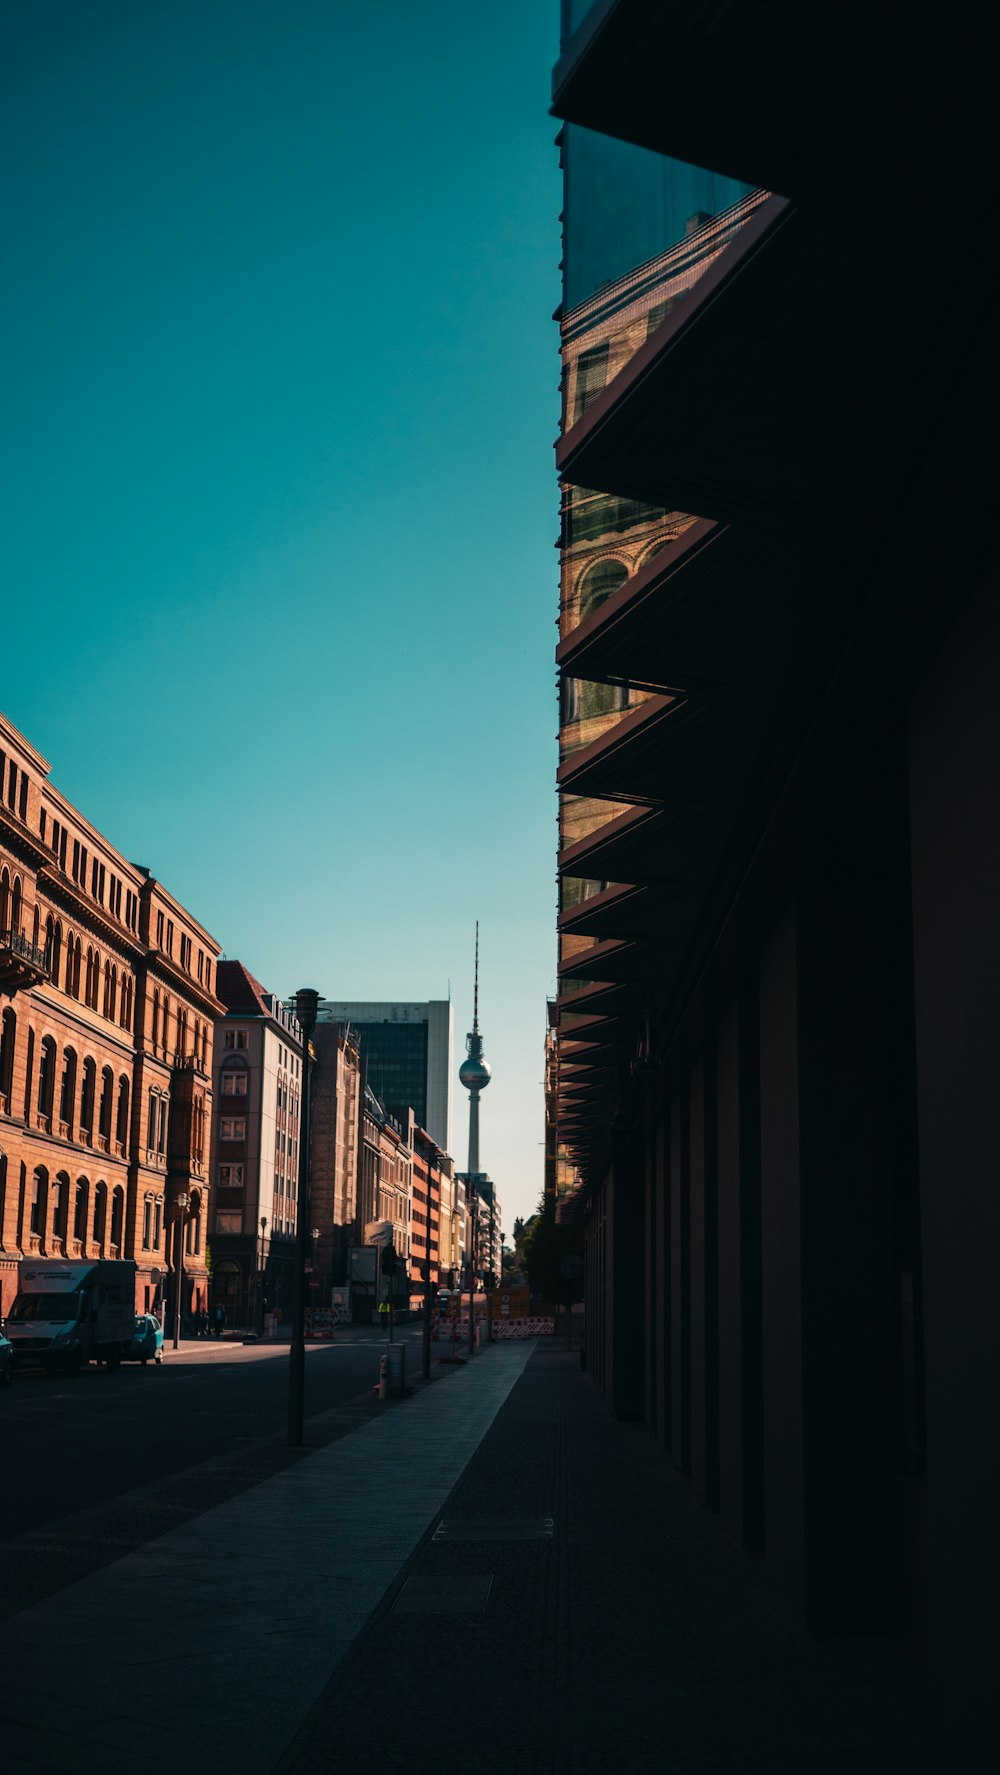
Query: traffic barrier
pixel 513 1328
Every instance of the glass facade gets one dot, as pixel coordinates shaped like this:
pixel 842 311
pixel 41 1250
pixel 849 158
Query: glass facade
pixel 623 205
pixel 394 1056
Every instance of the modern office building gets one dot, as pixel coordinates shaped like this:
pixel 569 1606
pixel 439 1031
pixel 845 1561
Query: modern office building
pixel 257 1080
pixel 778 1042
pixel 407 1050
pixel 107 993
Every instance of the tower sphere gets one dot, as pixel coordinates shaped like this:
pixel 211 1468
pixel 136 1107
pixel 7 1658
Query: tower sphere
pixel 475 1073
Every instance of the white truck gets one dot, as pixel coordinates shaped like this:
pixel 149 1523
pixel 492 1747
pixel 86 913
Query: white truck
pixel 68 1313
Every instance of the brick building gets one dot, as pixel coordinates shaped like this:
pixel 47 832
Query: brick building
pixel 106 1013
pixel 257 1078
pixel 429 1164
pixel 333 1158
pixel 385 1176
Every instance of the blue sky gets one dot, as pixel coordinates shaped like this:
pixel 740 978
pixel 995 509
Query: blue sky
pixel 280 387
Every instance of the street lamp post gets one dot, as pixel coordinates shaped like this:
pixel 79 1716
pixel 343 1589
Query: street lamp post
pixel 314 1290
pixel 306 1011
pixel 260 1278
pixel 182 1202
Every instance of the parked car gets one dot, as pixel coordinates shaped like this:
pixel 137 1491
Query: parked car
pixel 146 1344
pixel 6 1360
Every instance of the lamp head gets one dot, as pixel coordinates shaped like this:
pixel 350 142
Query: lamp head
pixel 306 1009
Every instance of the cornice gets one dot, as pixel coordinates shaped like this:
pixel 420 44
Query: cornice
pixel 21 838
pixel 66 1011
pixel 86 911
pixel 156 962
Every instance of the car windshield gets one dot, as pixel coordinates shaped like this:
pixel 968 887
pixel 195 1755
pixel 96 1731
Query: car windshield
pixel 54 1308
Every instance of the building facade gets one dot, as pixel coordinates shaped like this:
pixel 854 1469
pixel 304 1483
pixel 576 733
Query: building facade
pixel 778 1043
pixel 257 1081
pixel 335 1154
pixel 408 1052
pixel 430 1164
pixel 108 991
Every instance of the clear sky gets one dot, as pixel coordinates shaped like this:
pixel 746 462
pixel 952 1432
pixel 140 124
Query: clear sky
pixel 280 387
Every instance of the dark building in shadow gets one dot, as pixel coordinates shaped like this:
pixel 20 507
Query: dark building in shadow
pixel 777 1034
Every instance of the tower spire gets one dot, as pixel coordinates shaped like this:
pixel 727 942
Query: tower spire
pixel 474 1071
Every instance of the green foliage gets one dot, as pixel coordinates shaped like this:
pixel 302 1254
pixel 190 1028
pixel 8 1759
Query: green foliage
pixel 545 1245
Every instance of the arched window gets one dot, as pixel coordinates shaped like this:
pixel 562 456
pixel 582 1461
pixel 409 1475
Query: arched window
pixel 107 1097
pixel 226 1281
pixel 77 959
pixel 15 906
pixel 39 1201
pixel 121 1125
pixel 107 987
pixel 156 1016
pixel 147 1223
pixel 34 925
pixel 117 1216
pixel 126 1016
pixel 4 900
pixel 114 994
pixel 47 1078
pixel 3 1199
pixel 88 987
pixel 598 582
pixel 51 952
pixel 67 1090
pixel 8 1039
pixel 87 1096
pixel 100 1211
pixel 28 1072
pixel 80 1210
pixel 60 1206
pixel 158 1223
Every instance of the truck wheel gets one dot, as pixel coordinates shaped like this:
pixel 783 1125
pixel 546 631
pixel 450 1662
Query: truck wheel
pixel 114 1359
pixel 75 1362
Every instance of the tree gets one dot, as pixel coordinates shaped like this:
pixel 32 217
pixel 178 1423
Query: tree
pixel 552 1255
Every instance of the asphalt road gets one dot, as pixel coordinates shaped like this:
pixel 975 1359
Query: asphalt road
pixel 68 1443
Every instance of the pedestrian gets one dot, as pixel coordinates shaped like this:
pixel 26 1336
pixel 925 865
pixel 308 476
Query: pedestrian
pixel 220 1319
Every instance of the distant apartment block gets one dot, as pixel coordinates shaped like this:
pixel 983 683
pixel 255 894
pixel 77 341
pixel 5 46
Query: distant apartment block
pixel 257 1079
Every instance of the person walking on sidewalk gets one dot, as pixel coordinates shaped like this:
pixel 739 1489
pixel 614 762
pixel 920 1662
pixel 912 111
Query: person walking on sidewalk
pixel 219 1318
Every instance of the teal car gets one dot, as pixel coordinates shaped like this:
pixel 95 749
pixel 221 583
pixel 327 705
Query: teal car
pixel 146 1344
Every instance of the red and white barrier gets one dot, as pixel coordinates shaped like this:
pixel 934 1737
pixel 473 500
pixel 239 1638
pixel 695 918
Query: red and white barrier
pixel 531 1327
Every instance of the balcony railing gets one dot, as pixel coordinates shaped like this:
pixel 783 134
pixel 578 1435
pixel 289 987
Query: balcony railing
pixel 191 1062
pixel 22 963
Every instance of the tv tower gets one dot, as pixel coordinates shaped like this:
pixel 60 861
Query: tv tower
pixel 474 1072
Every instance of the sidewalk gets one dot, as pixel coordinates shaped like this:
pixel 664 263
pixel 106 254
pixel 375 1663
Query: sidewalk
pixel 528 1584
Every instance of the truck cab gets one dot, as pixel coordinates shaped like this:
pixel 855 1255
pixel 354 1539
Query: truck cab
pixel 67 1314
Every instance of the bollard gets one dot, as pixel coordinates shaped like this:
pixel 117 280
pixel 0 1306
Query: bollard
pixel 383 1377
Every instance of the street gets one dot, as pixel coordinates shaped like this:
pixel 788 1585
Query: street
pixel 102 1462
